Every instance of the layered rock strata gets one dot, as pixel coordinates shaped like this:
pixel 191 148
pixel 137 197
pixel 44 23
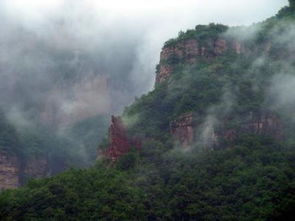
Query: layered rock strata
pixel 184 129
pixel 190 51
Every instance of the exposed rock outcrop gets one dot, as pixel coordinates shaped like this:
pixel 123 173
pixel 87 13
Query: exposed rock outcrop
pixel 164 73
pixel 190 51
pixel 184 128
pixel 263 123
pixel 15 171
pixel 9 171
pixel 120 143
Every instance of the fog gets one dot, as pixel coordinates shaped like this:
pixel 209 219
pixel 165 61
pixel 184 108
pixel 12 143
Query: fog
pixel 67 60
pixel 63 61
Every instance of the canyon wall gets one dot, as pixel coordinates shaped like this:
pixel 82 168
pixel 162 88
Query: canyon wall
pixel 191 51
pixel 9 171
pixel 184 129
pixel 14 172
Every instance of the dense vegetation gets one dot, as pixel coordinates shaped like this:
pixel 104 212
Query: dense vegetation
pixel 252 178
pixel 252 181
pixel 201 32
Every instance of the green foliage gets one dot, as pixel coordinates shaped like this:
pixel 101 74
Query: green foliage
pixel 202 33
pixel 94 194
pixel 128 161
pixel 226 82
pixel 287 12
pixel 254 180
pixel 248 178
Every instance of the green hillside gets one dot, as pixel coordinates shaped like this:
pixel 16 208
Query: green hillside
pixel 245 176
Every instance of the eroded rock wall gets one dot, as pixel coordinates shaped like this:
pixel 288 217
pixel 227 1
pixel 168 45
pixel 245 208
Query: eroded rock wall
pixel 14 171
pixel 9 171
pixel 184 128
pixel 190 51
pixel 120 142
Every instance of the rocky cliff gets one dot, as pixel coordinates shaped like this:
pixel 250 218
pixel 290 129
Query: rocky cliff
pixel 191 51
pixel 263 123
pixel 184 129
pixel 14 171
pixel 9 171
pixel 120 142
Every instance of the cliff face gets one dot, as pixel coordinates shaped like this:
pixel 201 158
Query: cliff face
pixel 9 172
pixel 13 172
pixel 120 143
pixel 183 130
pixel 191 51
pixel 269 124
pixel 266 123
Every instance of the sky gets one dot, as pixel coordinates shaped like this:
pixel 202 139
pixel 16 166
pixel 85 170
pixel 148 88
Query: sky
pixel 226 11
pixel 119 39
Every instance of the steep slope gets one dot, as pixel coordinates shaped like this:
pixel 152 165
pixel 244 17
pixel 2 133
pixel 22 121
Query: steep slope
pixel 216 138
pixel 215 83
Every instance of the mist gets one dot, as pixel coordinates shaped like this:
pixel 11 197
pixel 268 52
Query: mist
pixel 114 46
pixel 62 61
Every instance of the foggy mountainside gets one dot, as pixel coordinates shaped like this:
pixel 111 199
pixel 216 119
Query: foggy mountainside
pixel 213 140
pixel 58 88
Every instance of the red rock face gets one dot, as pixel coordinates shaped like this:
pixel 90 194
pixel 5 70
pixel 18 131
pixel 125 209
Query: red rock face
pixel 189 51
pixel 183 130
pixel 166 53
pixel 267 124
pixel 120 143
pixel 164 74
pixel 192 50
pixel 220 46
pixel 184 51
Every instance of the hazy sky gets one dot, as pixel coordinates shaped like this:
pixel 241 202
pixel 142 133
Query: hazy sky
pixel 121 39
pixel 149 21
pixel 198 11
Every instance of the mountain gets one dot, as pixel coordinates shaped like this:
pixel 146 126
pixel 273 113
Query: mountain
pixel 213 140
